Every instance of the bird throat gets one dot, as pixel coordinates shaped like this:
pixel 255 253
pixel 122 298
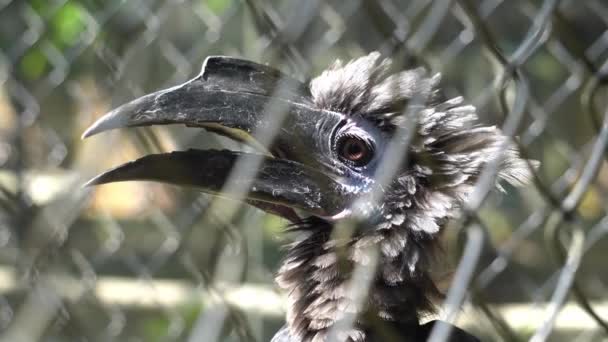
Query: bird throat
pixel 319 276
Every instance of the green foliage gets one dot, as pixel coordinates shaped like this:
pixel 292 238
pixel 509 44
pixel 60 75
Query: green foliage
pixel 218 7
pixel 68 24
pixel 33 64
pixel 155 328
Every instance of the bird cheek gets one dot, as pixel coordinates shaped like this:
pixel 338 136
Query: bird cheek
pixel 363 207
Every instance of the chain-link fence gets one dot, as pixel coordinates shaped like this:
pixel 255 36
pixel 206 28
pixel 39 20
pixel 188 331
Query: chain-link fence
pixel 150 262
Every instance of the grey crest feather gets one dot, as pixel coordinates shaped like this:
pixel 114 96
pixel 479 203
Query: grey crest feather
pixel 446 159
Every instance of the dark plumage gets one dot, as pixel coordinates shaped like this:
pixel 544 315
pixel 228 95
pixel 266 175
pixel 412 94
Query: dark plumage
pixel 327 157
pixel 445 160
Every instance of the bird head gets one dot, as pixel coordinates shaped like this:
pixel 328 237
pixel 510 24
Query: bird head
pixel 328 141
pixel 359 141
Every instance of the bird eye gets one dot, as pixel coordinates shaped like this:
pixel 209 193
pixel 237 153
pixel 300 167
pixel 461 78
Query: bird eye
pixel 354 150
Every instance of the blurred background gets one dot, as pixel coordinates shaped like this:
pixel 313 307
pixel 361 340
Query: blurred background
pixel 150 262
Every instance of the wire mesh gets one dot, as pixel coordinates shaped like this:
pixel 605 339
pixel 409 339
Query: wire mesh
pixel 147 262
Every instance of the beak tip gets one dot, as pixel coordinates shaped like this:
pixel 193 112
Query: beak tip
pixel 87 133
pixel 112 120
pixel 91 182
pixel 104 178
pixel 97 127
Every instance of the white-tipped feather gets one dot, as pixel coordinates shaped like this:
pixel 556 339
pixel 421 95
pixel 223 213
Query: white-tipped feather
pixel 445 161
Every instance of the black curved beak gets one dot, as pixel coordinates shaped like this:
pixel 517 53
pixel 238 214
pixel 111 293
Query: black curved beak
pixel 238 99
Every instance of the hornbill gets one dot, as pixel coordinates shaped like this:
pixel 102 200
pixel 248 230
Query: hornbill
pixel 321 170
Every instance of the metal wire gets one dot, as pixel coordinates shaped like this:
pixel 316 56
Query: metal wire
pixel 150 262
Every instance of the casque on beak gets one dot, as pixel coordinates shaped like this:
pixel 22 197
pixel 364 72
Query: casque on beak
pixel 232 97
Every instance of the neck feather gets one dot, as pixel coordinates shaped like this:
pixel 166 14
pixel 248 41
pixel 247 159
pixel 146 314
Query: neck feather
pixel 317 273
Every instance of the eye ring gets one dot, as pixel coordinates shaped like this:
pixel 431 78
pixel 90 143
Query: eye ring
pixel 354 150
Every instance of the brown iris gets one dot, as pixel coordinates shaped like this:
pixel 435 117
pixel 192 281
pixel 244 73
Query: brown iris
pixel 355 150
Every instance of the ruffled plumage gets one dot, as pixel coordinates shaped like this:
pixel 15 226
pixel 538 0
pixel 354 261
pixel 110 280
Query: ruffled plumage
pixel 445 159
